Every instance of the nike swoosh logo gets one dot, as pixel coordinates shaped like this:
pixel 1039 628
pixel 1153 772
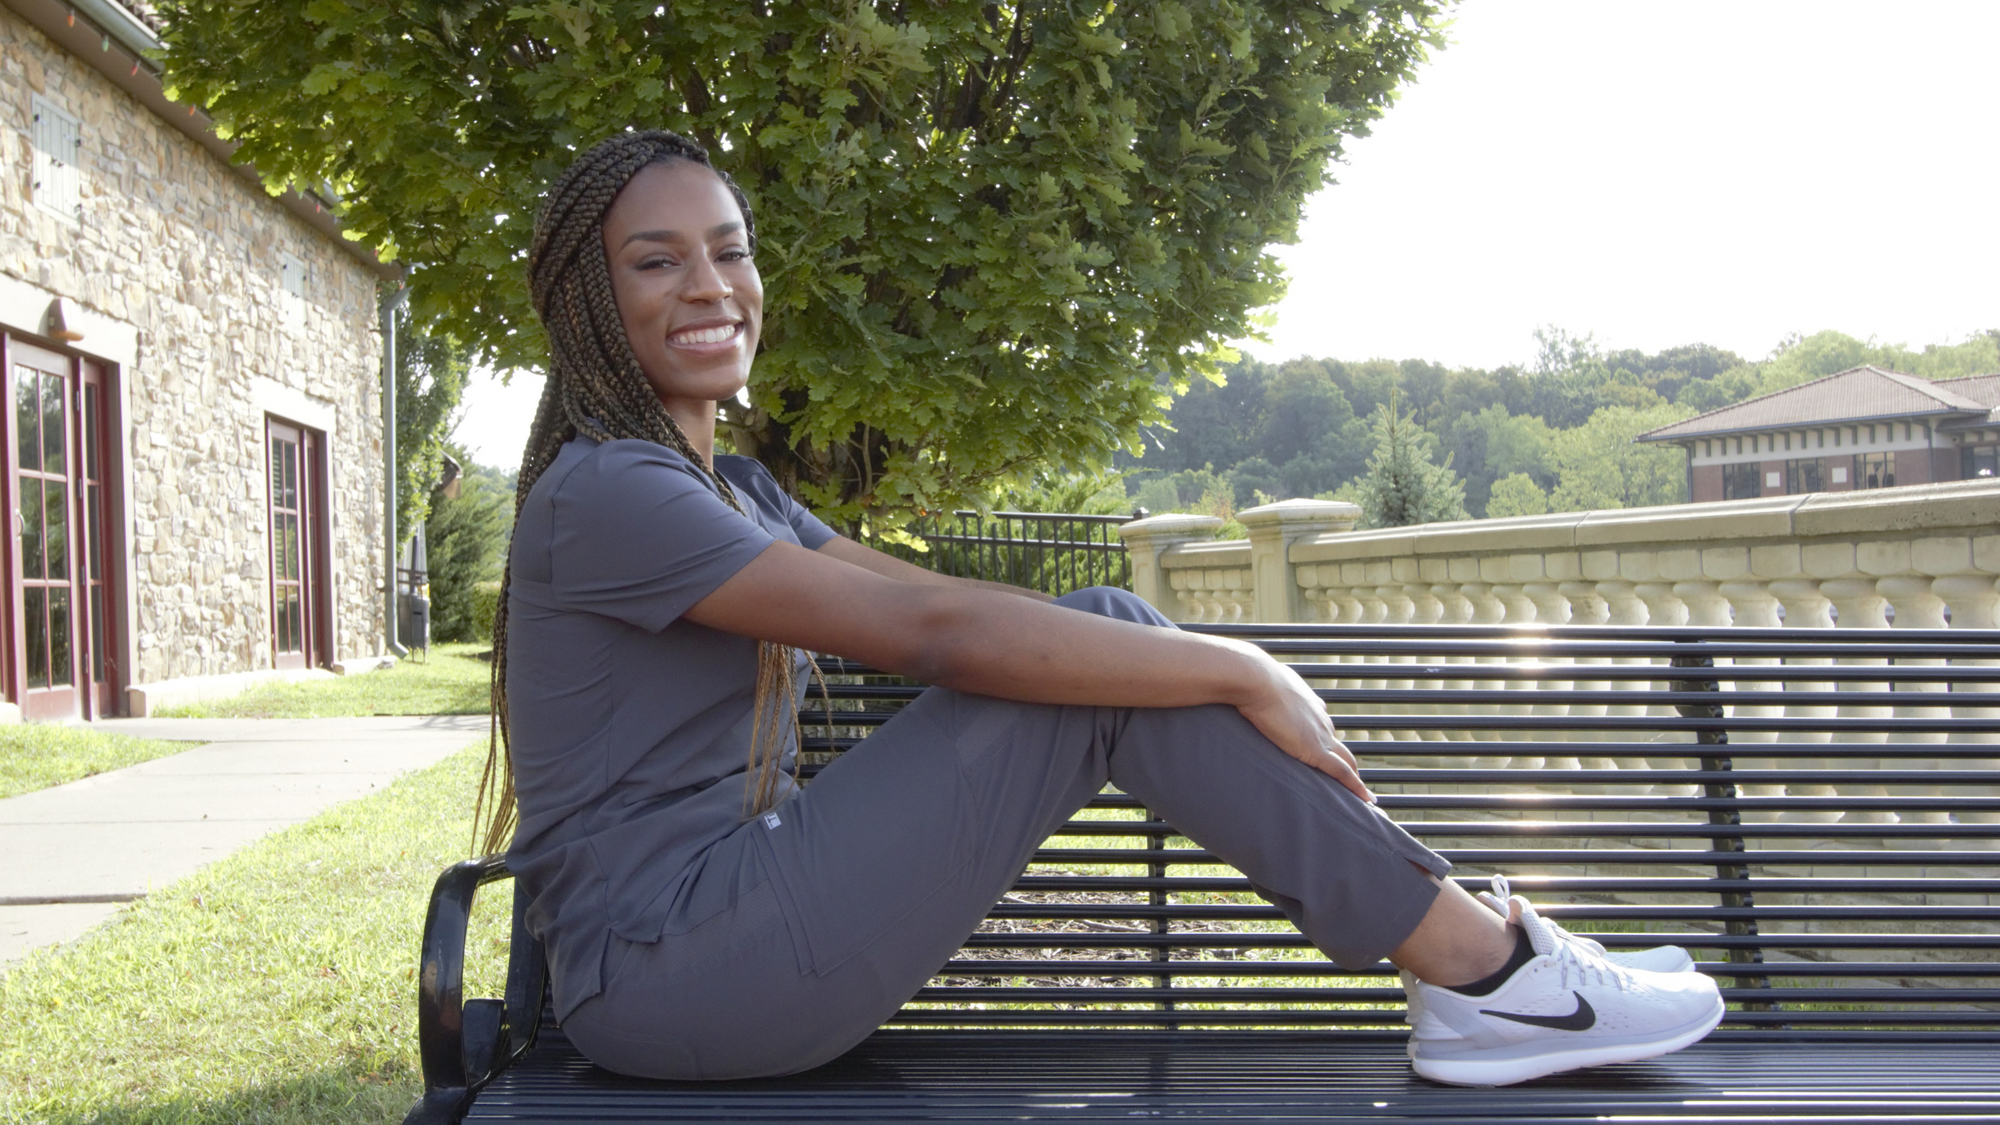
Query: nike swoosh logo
pixel 1583 1019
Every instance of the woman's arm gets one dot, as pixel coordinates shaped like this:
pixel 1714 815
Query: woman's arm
pixel 990 643
pixel 888 566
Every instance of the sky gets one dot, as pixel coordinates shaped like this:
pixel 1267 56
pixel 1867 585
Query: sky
pixel 1650 172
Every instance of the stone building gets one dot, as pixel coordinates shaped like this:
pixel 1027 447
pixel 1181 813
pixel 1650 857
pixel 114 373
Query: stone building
pixel 192 393
pixel 1862 428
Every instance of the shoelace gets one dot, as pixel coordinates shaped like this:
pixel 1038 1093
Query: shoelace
pixel 1503 894
pixel 1580 966
pixel 1576 958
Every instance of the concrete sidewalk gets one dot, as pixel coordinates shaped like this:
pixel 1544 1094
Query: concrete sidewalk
pixel 75 853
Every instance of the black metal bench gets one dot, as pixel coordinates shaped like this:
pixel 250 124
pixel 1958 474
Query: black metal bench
pixel 1842 891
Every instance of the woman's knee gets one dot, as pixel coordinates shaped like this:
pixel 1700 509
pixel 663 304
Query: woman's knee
pixel 1112 602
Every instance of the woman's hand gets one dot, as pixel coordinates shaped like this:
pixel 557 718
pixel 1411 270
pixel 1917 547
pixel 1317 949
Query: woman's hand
pixel 1289 714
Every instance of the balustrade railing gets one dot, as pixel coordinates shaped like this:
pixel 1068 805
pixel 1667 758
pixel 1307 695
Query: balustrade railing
pixel 1812 723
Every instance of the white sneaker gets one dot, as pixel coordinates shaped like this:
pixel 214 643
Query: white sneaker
pixel 1659 959
pixel 1566 1008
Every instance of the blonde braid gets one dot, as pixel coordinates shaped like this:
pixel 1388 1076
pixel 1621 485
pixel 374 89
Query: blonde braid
pixel 596 387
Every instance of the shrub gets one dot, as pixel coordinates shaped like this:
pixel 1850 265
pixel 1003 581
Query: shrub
pixel 485 604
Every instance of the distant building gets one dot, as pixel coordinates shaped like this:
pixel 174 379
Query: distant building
pixel 1862 428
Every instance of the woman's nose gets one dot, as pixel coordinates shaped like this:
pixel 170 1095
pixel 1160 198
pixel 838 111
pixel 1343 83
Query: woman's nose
pixel 706 283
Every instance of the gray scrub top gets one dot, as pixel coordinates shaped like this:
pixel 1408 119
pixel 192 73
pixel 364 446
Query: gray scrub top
pixel 630 727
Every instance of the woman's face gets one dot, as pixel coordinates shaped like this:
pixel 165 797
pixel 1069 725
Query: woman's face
pixel 687 289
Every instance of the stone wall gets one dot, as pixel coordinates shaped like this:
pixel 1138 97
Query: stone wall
pixel 1920 549
pixel 182 248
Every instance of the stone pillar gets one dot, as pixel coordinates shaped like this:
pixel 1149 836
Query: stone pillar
pixel 1374 611
pixel 1454 608
pixel 1705 603
pixel 1196 607
pixel 1807 608
pixel 1623 609
pixel 1587 607
pixel 1314 582
pixel 1858 606
pixel 1552 608
pixel 1487 609
pixel 1917 607
pixel 1663 608
pixel 1343 578
pixel 1273 530
pixel 1755 608
pixel 1509 588
pixel 1425 609
pixel 1399 609
pixel 1147 539
pixel 1972 598
pixel 1343 595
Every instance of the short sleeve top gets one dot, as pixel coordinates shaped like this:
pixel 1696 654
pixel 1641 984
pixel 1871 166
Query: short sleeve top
pixel 629 725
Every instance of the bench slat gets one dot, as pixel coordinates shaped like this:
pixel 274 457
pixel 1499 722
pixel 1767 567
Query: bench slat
pixel 1248 1075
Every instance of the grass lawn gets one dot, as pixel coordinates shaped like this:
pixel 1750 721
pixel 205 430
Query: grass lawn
pixel 276 986
pixel 37 755
pixel 449 680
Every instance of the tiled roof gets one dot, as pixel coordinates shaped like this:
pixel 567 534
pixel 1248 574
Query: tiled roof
pixel 1856 394
pixel 1982 388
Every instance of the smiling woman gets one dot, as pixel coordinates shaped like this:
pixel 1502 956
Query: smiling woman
pixel 705 916
pixel 687 289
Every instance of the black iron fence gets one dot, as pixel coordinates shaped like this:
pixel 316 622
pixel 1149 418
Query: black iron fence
pixel 1054 552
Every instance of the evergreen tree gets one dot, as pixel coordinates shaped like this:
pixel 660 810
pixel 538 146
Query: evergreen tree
pixel 1403 486
pixel 466 536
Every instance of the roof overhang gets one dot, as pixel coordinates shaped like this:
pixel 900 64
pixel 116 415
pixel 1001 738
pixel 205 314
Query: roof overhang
pixel 1706 435
pixel 109 40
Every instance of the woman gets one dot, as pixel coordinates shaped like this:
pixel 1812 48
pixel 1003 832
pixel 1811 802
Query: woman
pixel 707 919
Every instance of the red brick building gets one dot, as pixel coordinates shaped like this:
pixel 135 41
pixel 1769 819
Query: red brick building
pixel 1862 428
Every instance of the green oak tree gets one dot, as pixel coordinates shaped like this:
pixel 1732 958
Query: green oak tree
pixel 1599 465
pixel 1516 494
pixel 1492 443
pixel 994 235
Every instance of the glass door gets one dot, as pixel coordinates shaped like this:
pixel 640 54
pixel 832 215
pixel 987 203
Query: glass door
pixel 45 534
pixel 298 628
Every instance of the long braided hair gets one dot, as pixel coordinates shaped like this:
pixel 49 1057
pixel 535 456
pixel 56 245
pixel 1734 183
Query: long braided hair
pixel 596 387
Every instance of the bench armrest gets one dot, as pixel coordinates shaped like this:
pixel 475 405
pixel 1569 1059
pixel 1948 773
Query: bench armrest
pixel 441 1007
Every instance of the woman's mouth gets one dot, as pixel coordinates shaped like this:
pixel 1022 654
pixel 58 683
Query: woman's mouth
pixel 711 334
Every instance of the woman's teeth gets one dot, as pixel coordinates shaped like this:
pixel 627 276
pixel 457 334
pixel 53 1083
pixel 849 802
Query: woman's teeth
pixel 705 335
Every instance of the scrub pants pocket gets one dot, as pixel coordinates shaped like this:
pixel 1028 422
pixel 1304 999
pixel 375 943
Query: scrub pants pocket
pixel 855 867
pixel 704 1004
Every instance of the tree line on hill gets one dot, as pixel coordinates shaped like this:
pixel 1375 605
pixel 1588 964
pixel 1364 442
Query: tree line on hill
pixel 1413 441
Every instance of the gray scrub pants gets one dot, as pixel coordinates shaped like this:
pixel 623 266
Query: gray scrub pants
pixel 823 917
